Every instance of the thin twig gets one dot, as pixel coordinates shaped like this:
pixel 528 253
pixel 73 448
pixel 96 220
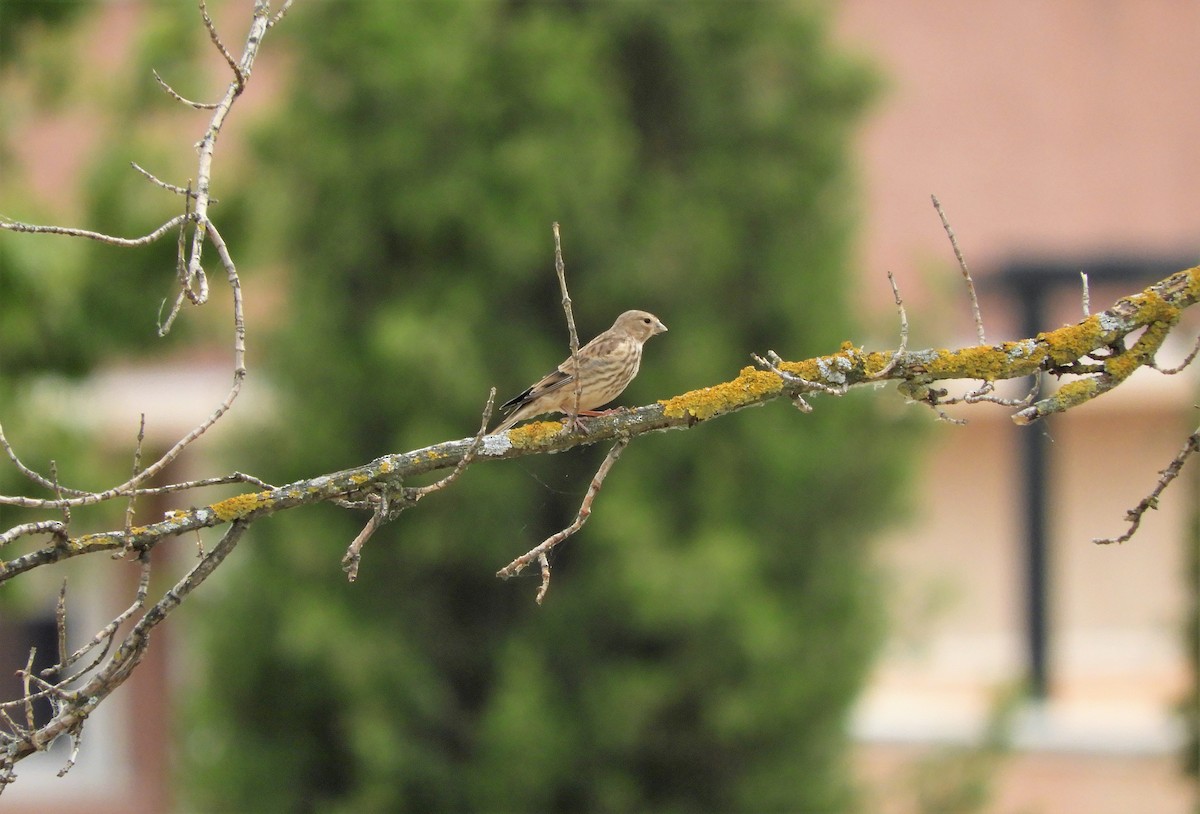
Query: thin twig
pixel 60 622
pixel 386 509
pixel 181 274
pixel 798 384
pixel 239 375
pixel 105 635
pixel 162 83
pixel 1087 295
pixel 40 480
pixel 561 271
pixel 54 527
pixel 234 477
pixel 154 179
pixel 420 492
pixel 903 330
pixel 539 551
pixel 962 264
pixel 1150 501
pixel 282 11
pixel 137 463
pixel 1187 360
pixel 353 556
pixel 216 40
pixel 76 706
pixel 68 231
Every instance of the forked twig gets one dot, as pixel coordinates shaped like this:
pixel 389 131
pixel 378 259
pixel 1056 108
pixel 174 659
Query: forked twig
pixel 540 551
pixel 798 385
pixel 384 510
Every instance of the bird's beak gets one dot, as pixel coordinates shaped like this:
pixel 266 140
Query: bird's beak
pixel 662 329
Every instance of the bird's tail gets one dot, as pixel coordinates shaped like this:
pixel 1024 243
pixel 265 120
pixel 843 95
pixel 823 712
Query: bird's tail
pixel 506 424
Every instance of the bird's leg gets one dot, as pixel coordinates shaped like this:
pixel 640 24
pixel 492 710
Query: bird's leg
pixel 574 420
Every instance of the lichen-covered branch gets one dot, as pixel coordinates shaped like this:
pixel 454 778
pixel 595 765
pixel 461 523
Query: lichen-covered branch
pixel 1094 350
pixel 1066 350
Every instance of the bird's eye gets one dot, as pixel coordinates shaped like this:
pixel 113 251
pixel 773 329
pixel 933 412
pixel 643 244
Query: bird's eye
pixel 646 320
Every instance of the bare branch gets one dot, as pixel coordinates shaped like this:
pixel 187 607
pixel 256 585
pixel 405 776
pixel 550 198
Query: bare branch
pixel 539 552
pixel 154 179
pixel 55 527
pixel 162 83
pixel 137 464
pixel 112 240
pixel 282 11
pixel 903 329
pixel 72 707
pixel 1150 501
pixel 421 492
pixel 216 40
pixel 560 269
pixel 962 265
pixel 385 509
pixel 1187 360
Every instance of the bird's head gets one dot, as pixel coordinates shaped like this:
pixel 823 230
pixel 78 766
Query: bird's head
pixel 641 325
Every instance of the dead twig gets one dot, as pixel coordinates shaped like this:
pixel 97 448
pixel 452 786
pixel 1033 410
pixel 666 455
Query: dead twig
pixel 797 385
pixel 899 354
pixel 162 83
pixel 55 527
pixel 384 510
pixel 1187 360
pixel 112 240
pixel 962 265
pixel 539 552
pixel 216 40
pixel 1150 501
pixel 154 179
pixel 560 270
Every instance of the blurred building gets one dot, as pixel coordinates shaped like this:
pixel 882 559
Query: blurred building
pixel 1052 132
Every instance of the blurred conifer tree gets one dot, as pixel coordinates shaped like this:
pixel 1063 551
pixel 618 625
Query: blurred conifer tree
pixel 705 635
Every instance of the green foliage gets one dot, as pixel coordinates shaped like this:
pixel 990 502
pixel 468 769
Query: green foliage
pixel 18 16
pixel 959 779
pixel 707 631
pixel 1190 704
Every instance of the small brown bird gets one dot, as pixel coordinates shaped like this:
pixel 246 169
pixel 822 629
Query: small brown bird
pixel 609 362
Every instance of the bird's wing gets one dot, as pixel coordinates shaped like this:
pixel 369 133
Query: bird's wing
pixel 589 355
pixel 551 382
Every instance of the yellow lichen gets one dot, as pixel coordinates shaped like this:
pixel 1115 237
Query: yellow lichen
pixel 1072 342
pixel 750 387
pixel 240 505
pixel 535 434
pixel 979 362
pixel 1072 394
pixel 876 361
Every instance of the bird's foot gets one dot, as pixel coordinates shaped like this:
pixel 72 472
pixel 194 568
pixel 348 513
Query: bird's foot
pixel 576 422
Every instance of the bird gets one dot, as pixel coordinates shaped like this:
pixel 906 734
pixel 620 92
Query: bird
pixel 608 363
